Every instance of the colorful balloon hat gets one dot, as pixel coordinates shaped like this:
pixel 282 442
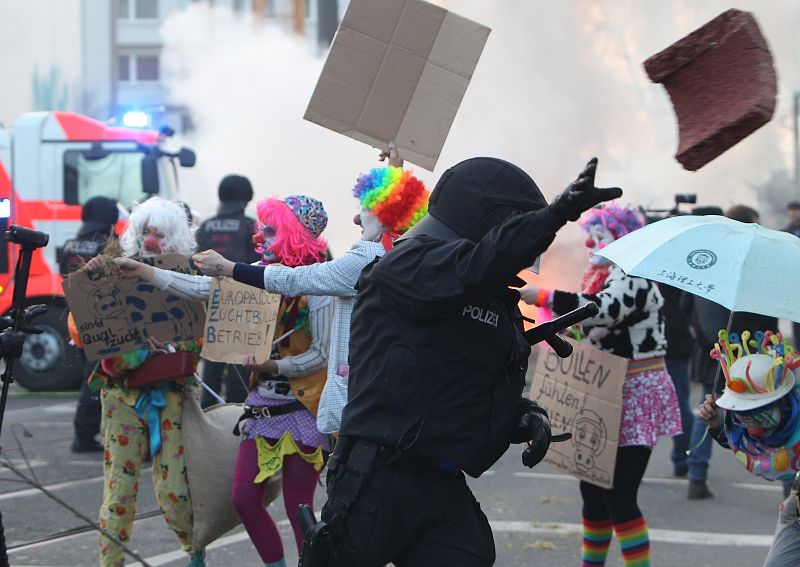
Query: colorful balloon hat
pixel 757 371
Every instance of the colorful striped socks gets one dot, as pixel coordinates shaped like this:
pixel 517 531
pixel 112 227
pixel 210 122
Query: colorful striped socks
pixel 596 539
pixel 634 541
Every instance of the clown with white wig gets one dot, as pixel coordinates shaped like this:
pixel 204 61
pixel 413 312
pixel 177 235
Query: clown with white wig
pixel 761 421
pixel 138 419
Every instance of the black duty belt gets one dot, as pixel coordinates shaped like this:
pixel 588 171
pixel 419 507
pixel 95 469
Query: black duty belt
pixel 264 412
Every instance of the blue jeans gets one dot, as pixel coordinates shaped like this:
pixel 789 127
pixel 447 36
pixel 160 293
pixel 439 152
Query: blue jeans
pixel 678 369
pixel 700 453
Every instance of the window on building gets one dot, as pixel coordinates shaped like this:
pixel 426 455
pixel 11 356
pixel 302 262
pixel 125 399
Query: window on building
pixel 147 68
pixel 137 9
pixel 146 9
pixel 124 68
pixel 123 11
pixel 138 67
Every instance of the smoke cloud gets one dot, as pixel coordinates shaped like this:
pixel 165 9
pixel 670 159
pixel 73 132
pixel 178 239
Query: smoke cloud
pixel 557 84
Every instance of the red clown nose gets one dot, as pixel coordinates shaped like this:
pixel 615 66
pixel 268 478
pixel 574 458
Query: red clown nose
pixel 152 244
pixel 589 243
pixel 258 238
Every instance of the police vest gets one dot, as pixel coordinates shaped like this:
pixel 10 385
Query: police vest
pixel 441 381
pixel 230 235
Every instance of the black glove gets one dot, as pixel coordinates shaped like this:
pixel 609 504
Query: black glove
pixel 581 195
pixel 11 343
pixel 533 427
pixel 531 420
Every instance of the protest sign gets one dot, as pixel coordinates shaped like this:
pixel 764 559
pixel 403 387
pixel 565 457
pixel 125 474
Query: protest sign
pixel 583 395
pixel 240 321
pixel 397 70
pixel 114 314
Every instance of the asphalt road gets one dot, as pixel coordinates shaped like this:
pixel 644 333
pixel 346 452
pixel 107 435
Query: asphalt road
pixel 535 513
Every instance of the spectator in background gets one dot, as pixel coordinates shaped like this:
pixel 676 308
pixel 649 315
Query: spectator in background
pixel 99 215
pixel 706 319
pixel 230 233
pixel 679 352
pixel 793 214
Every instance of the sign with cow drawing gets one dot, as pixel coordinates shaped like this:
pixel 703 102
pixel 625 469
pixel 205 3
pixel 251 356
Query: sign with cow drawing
pixel 114 314
pixel 583 395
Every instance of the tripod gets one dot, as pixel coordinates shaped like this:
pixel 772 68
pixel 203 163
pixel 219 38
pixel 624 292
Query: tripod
pixel 19 321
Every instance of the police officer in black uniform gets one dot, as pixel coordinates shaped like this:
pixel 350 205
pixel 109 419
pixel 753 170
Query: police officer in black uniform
pixel 437 368
pixel 230 233
pixel 99 215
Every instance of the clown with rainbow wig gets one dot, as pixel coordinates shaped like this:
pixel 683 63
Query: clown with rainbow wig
pixel 630 325
pixel 391 200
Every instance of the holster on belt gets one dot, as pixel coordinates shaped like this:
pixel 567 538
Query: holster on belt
pixel 350 465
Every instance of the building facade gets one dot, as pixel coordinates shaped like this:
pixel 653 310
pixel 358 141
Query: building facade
pixel 102 58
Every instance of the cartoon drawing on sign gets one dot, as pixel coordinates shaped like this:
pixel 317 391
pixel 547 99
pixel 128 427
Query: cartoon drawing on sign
pixel 104 304
pixel 590 440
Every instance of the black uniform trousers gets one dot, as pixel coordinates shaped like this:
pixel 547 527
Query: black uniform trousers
pixel 236 377
pixel 89 410
pixel 412 513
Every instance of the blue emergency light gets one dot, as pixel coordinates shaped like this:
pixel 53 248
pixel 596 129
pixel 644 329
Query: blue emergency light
pixel 135 119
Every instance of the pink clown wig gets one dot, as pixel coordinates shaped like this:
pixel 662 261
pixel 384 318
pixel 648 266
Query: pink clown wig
pixel 618 220
pixel 294 244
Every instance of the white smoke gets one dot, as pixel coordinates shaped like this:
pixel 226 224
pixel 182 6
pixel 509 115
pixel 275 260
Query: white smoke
pixel 558 82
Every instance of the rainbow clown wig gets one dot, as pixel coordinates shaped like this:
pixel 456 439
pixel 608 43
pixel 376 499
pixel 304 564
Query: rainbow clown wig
pixel 397 198
pixel 168 217
pixel 298 221
pixel 617 220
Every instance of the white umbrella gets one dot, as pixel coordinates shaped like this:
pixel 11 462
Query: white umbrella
pixel 741 266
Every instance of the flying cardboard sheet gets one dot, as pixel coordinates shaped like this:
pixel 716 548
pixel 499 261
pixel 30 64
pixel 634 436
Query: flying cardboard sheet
pixel 583 395
pixel 397 70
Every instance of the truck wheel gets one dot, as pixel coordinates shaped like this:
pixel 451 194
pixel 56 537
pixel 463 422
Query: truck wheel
pixel 48 361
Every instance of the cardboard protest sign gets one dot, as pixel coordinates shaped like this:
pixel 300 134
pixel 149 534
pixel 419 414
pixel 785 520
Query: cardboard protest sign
pixel 397 70
pixel 582 394
pixel 240 321
pixel 114 314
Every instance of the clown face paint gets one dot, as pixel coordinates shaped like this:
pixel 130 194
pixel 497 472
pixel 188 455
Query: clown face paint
pixel 597 239
pixel 151 241
pixel 761 421
pixel 264 239
pixel 371 227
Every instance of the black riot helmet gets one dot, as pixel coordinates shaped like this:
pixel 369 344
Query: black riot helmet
pixel 474 196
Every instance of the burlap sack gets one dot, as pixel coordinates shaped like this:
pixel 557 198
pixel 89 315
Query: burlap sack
pixel 210 451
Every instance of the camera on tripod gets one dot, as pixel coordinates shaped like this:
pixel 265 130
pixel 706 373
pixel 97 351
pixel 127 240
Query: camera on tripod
pixel 653 215
pixel 26 237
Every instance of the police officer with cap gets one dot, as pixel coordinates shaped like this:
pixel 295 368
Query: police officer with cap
pixel 230 233
pixel 99 215
pixel 437 368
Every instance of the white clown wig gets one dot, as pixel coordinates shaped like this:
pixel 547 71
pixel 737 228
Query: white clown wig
pixel 167 217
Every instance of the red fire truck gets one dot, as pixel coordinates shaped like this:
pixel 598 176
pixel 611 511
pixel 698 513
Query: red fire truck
pixel 51 163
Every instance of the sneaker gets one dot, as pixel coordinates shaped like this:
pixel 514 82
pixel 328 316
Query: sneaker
pixel 86 446
pixel 698 490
